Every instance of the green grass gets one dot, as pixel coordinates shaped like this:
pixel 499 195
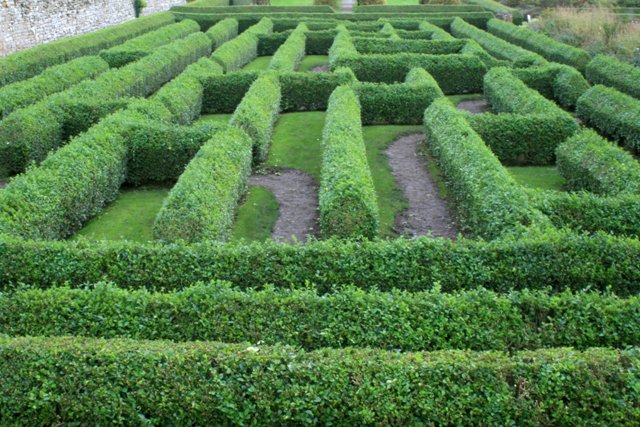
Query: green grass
pixel 309 62
pixel 214 118
pixel 129 217
pixel 391 201
pixel 539 177
pixel 258 64
pixel 256 216
pixel 456 99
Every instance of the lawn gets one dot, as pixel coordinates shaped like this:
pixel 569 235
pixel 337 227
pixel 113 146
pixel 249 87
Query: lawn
pixel 256 216
pixel 129 217
pixel 309 62
pixel 258 64
pixel 457 99
pixel 540 177
pixel 214 118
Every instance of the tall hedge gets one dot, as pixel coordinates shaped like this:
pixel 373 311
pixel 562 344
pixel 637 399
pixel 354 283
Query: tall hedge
pixel 201 206
pixel 291 52
pixel 608 71
pixel 238 52
pixel 347 199
pixel 369 45
pixel 561 83
pixel 222 32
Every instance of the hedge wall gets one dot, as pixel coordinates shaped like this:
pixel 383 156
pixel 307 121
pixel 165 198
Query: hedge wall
pixel 367 45
pixel 222 32
pixel 420 8
pixel 558 82
pixel 30 62
pixel 608 71
pixel 291 52
pixel 347 197
pixel 201 206
pixel 54 79
pixel 222 384
pixel 499 9
pixel 243 49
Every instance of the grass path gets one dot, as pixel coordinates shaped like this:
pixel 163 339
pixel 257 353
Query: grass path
pixel 539 177
pixel 309 62
pixel 258 64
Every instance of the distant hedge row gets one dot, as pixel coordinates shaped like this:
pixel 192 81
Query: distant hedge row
pixel 222 32
pixel 561 83
pixel 609 71
pixel 291 52
pixel 243 49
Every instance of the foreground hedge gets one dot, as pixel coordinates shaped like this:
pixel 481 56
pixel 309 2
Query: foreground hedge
pixel 608 71
pixel 421 321
pixel 30 62
pixel 90 381
pixel 347 198
pixel 201 206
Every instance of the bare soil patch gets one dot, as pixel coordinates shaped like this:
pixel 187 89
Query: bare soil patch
pixel 320 68
pixel 475 106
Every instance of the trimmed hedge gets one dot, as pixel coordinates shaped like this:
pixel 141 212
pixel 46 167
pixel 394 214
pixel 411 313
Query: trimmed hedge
pixel 367 45
pixel 399 103
pixel 206 383
pixel 258 112
pixel 423 321
pixel 53 79
pixel 238 52
pixel 291 52
pixel 253 8
pixel 311 91
pixel 613 114
pixel 347 197
pixel 342 46
pixel 558 82
pixel 551 49
pixel 589 162
pixel 222 32
pixel 419 8
pixel 488 201
pixel 500 9
pixel 608 71
pixel 30 62
pixel 201 206
pixel 437 33
pixel 496 46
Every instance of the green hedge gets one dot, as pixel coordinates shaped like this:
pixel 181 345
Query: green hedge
pixel 311 91
pixel 496 46
pixel 347 197
pixel 551 49
pixel 206 383
pixel 319 42
pixel 243 49
pixel 419 8
pixel 223 93
pixel 613 114
pixel 53 79
pixel 342 46
pixel 30 62
pixel 254 9
pixel 422 321
pixel 258 112
pixel 222 32
pixel 397 103
pixel 368 45
pixel 499 9
pixel 591 163
pixel 488 201
pixel 291 52
pixel 608 71
pixel 437 33
pixel 558 82
pixel 202 204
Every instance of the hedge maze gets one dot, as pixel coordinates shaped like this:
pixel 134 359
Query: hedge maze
pixel 528 317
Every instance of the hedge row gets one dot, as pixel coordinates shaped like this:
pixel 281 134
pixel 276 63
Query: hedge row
pixel 347 197
pixel 206 383
pixel 608 71
pixel 222 32
pixel 397 103
pixel 30 133
pixel 243 49
pixel 496 46
pixel 558 82
pixel 216 9
pixel 145 44
pixel 546 46
pixel 591 163
pixel 437 33
pixel 291 52
pixel 488 201
pixel 500 9
pixel 365 45
pixel 202 204
pixel 422 321
pixel 342 46
pixel 53 79
pixel 613 114
pixel 30 62
pixel 421 8
pixel 258 112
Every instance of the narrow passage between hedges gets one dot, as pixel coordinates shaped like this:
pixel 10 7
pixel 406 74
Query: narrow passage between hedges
pixel 427 211
pixel 297 197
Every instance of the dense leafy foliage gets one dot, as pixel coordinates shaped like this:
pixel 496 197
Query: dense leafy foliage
pixel 609 71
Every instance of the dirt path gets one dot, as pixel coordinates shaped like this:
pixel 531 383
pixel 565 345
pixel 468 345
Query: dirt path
pixel 297 196
pixel 475 106
pixel 3 183
pixel 320 68
pixel 427 211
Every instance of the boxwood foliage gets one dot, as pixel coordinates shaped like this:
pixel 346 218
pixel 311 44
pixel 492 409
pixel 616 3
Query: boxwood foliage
pixel 291 52
pixel 428 8
pixel 558 82
pixel 437 33
pixel 258 112
pixel 268 44
pixel 418 321
pixel 201 206
pixel 397 103
pixel 608 71
pixel 496 46
pixel 342 46
pixel 613 114
pixel 30 62
pixel 368 45
pixel 347 198
pixel 500 10
pixel 489 203
pixel 223 384
pixel 54 79
pixel 591 163
pixel 143 45
pixel 238 52
pixel 549 48
pixel 29 134
pixel 222 32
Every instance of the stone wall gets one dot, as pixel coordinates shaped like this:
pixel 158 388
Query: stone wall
pixel 26 23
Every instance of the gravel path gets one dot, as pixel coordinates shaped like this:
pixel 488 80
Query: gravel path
pixel 427 211
pixel 297 196
pixel 475 106
pixel 347 5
